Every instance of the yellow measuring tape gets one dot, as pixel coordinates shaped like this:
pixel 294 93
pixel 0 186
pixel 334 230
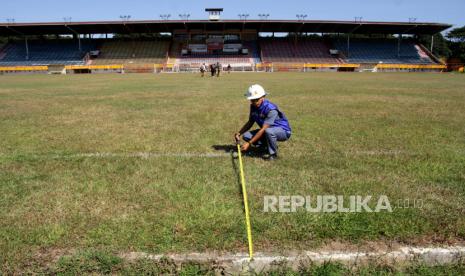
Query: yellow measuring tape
pixel 246 204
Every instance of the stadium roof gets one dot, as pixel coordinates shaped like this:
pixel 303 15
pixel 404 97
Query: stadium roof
pixel 158 26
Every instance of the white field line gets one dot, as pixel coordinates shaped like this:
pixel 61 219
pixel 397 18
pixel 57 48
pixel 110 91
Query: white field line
pixel 147 155
pixel 381 152
pixel 143 155
pixel 234 263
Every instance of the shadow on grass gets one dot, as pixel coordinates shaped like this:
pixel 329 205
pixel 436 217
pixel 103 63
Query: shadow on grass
pixel 225 148
pixel 235 165
pixel 253 152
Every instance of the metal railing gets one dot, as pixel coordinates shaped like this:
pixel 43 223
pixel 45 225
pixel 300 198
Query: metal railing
pixel 258 67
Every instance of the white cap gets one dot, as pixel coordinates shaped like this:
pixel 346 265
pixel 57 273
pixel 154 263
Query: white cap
pixel 255 91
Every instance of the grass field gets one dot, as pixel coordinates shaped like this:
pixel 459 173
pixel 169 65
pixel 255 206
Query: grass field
pixel 131 162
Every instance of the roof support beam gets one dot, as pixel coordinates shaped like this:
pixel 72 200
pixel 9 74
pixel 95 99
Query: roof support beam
pixel 432 44
pixel 410 29
pixel 317 29
pixel 78 37
pixel 27 47
pixel 398 45
pixel 148 29
pixel 356 28
pixel 348 45
pixel 108 27
pixel 26 44
pixel 127 28
pixel 299 28
pixel 13 30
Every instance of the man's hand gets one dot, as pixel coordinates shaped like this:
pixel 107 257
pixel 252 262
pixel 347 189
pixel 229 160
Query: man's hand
pixel 237 137
pixel 245 147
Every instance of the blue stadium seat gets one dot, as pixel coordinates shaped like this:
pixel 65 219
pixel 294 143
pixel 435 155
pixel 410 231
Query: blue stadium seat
pixel 47 52
pixel 385 51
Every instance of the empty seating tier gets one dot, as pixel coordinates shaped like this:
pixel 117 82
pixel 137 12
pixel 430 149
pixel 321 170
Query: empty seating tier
pixel 45 52
pixel 273 50
pixel 307 51
pixel 132 52
pixel 2 53
pixel 383 51
pixel 196 59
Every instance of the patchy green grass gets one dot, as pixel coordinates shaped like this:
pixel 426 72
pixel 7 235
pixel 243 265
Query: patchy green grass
pixel 339 269
pixel 105 263
pixel 400 135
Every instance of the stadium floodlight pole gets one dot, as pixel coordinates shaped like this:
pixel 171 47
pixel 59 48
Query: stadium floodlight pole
pixel 263 16
pixel 10 20
pixel 243 16
pixel 125 18
pixel 165 16
pixel 184 16
pixel 358 18
pixel 301 17
pixel 412 19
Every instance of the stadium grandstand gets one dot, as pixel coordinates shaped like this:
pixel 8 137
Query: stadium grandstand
pixel 131 52
pixel 45 52
pixel 246 45
pixel 306 51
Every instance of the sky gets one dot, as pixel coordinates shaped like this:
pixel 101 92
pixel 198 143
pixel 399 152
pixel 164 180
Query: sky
pixel 444 11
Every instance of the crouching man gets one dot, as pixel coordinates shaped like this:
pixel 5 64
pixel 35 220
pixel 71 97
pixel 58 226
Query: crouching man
pixel 273 124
